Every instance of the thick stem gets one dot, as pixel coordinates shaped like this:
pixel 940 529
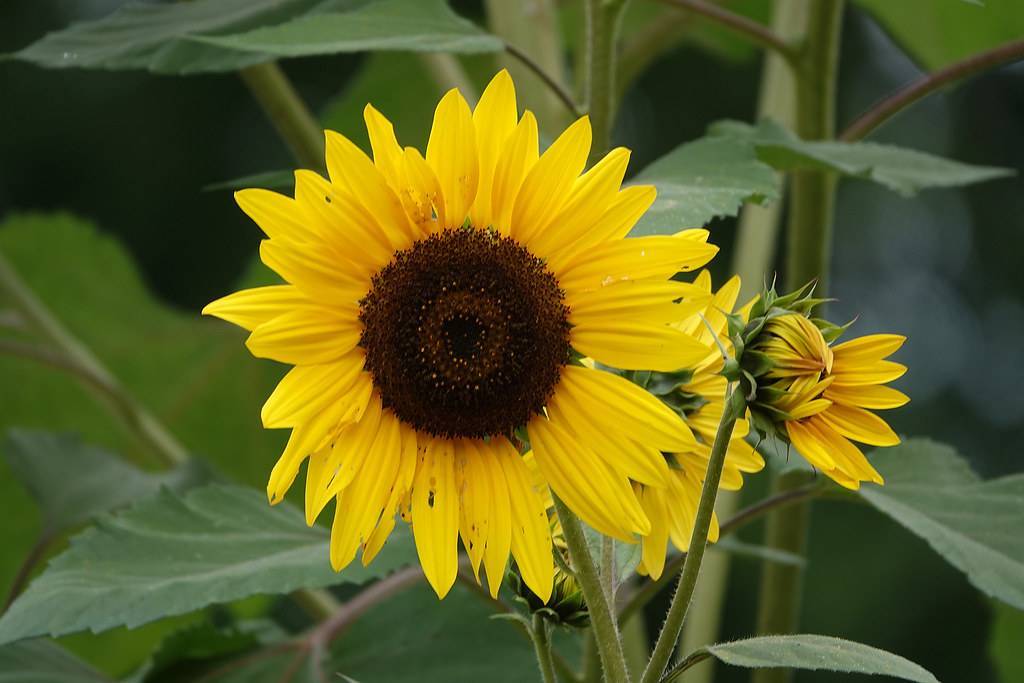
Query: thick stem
pixel 602 619
pixel 929 83
pixel 808 258
pixel 603 19
pixel 542 648
pixel 673 626
pixel 287 111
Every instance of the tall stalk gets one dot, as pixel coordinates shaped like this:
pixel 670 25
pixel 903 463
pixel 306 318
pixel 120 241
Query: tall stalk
pixel 812 196
pixel 603 19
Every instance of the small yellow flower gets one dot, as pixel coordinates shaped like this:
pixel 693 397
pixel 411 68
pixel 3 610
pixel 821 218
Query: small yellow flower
pixel 821 395
pixel 432 305
pixel 672 510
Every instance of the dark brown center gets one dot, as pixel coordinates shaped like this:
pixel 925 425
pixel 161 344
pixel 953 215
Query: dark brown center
pixel 465 334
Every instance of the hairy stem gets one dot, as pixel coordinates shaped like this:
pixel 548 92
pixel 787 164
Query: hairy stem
pixel 542 648
pixel 673 626
pixel 287 111
pixel 602 619
pixel 929 83
pixel 603 19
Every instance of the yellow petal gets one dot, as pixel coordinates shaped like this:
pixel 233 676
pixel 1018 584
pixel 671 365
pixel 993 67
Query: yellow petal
pixel 499 540
pixel 435 515
pixel 451 152
pixel 655 544
pixel 650 301
pixel 350 168
pixel 590 196
pixel 611 399
pixel 387 154
pixel 878 372
pixel 250 308
pixel 622 213
pixel 361 503
pixel 474 509
pixel 277 215
pixel 494 119
pixel 307 389
pixel 315 273
pixel 873 347
pixel 308 437
pixel 868 396
pixel 602 497
pixel 547 185
pixel 530 530
pixel 515 161
pixel 637 346
pixel 349 451
pixel 860 425
pixel 305 337
pixel 344 223
pixel 422 195
pixel 641 463
pixel 632 259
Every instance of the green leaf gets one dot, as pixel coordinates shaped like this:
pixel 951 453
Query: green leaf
pixel 171 555
pixel 1007 635
pixel 153 36
pixel 703 180
pixel 72 482
pixel 938 32
pixel 816 653
pixel 903 170
pixel 418 25
pixel 41 661
pixel 975 525
pixel 393 642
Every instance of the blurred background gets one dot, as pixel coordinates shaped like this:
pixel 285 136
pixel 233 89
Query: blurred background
pixel 106 210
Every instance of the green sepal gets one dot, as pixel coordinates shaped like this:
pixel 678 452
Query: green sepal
pixel 662 383
pixel 757 363
pixel 683 402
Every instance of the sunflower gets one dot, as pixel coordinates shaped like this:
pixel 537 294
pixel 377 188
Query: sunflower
pixel 821 395
pixel 701 399
pixel 432 309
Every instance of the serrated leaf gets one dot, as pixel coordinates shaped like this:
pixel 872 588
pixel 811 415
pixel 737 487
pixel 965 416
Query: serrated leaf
pixel 902 170
pixel 171 555
pixel 417 25
pixel 817 653
pixel 72 482
pixel 41 661
pixel 153 36
pixel 975 525
pixel 703 180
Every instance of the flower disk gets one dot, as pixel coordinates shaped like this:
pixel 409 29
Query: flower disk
pixel 465 334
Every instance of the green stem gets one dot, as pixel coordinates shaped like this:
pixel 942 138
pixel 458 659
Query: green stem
pixel 602 619
pixel 603 19
pixel 748 28
pixel 812 198
pixel 813 192
pixel 447 72
pixel 542 648
pixel 735 405
pixel 286 110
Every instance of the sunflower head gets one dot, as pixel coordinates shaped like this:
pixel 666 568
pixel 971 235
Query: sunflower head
pixel 809 391
pixel 430 307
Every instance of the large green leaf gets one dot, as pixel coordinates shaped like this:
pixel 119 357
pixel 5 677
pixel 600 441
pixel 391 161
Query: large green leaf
pixel 153 36
pixel 815 653
pixel 72 481
pixel 171 555
pixel 409 638
pixel 420 25
pixel 903 170
pixel 703 180
pixel 938 32
pixel 40 661
pixel 976 525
